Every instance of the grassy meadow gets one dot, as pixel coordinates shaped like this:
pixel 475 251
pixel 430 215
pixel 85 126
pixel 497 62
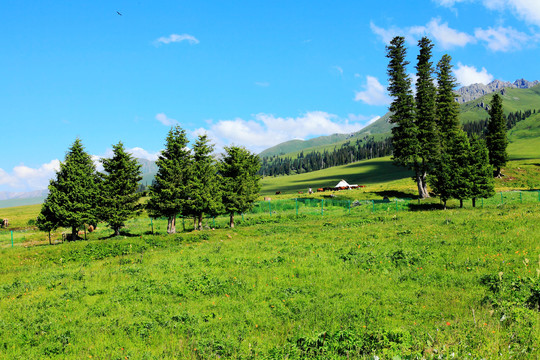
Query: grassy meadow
pixel 423 284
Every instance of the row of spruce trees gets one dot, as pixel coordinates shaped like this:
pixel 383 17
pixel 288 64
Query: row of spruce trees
pixel 189 183
pixel 428 138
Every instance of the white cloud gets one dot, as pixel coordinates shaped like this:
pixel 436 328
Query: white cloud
pixel 266 130
pixel 468 75
pixel 26 178
pixel 446 37
pixel 339 69
pixel 173 38
pixel 374 93
pixel 528 10
pixel 386 35
pixel 448 3
pixel 162 118
pixel 502 39
pixel 140 153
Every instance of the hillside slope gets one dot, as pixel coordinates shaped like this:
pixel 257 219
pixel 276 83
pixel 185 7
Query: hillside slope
pixel 514 99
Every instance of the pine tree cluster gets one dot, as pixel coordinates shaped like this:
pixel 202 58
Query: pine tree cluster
pixel 189 183
pixel 427 136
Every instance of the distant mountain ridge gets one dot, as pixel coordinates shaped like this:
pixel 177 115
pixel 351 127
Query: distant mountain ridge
pixel 475 91
pixel 7 195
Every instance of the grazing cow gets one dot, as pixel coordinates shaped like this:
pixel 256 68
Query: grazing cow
pixel 267 198
pixel 320 190
pixel 90 228
pixel 278 192
pixel 5 223
pixel 300 192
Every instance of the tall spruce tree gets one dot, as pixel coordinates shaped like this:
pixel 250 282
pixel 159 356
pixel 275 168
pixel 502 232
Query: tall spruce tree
pixel 169 192
pixel 425 116
pixel 460 164
pixel 204 189
pixel 73 194
pixel 496 135
pixel 449 178
pixel 241 184
pixel 447 109
pixel 119 199
pixel 481 171
pixel 46 220
pixel 405 132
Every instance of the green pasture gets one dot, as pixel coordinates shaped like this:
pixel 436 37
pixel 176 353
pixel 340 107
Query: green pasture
pixel 369 173
pixel 421 284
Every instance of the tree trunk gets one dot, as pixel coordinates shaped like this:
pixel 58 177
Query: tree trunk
pixel 74 233
pixel 194 222
pixel 422 193
pixel 444 204
pixel 498 172
pixel 424 185
pixel 50 243
pixel 231 220
pixel 116 231
pixel 460 203
pixel 473 202
pixel 200 221
pixel 171 225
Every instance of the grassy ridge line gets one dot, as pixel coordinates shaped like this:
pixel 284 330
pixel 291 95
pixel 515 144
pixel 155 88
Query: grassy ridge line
pixel 374 285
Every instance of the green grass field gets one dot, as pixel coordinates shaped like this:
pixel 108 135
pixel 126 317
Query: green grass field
pixel 423 284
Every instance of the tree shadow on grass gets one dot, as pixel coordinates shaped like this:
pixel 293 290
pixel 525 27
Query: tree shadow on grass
pixel 123 233
pixel 396 194
pixel 425 206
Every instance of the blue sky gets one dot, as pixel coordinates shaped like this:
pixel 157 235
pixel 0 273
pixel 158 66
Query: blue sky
pixel 251 73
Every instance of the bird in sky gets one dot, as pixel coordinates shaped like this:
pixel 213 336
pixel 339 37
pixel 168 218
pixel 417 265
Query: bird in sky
pixel 118 12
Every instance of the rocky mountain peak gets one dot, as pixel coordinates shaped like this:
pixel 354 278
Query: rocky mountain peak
pixel 475 91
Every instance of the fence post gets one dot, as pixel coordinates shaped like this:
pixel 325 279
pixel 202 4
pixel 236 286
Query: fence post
pixel 373 202
pixel 520 197
pixel 322 206
pixel 152 225
pixel 183 224
pixel 396 207
pixel 502 199
pixel 242 216
pixel 482 203
pixel 11 238
pixel 296 205
pixel 349 207
pixel 270 207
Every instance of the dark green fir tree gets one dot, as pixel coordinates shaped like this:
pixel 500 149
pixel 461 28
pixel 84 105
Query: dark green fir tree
pixel 405 131
pixel 169 192
pixel 425 116
pixel 481 171
pixel 241 184
pixel 496 135
pixel 119 200
pixel 72 199
pixel 46 220
pixel 204 187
